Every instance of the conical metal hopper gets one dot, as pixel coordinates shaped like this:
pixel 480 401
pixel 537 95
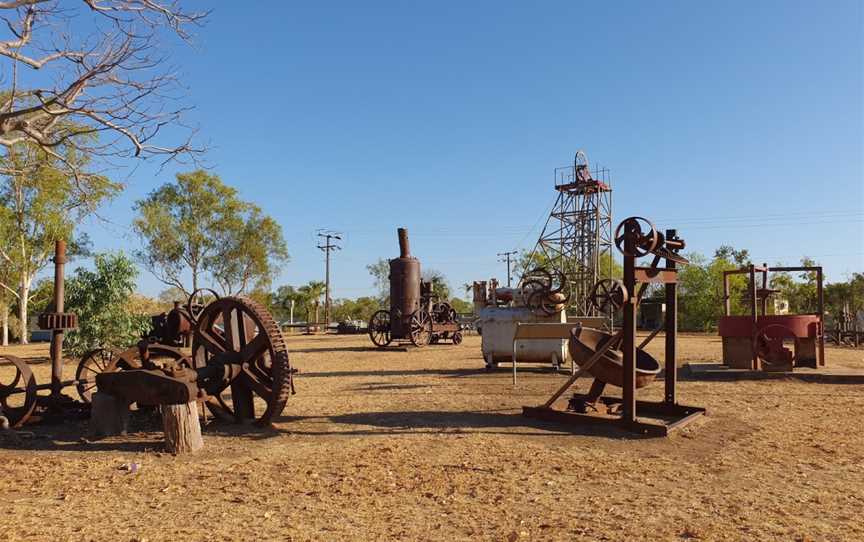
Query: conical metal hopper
pixel 585 341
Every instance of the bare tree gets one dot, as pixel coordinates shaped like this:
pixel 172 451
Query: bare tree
pixel 91 74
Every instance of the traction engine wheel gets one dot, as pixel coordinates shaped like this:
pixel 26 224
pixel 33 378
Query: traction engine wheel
pixel 379 328
pixel 241 332
pixel 17 403
pixel 421 328
pixel 457 337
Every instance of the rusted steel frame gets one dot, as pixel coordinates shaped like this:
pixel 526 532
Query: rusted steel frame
pixel 820 302
pixel 763 302
pixel 583 369
pixel 628 328
pixel 754 317
pixel 671 374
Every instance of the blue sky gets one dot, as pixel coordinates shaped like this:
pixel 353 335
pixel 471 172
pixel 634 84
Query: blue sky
pixel 739 123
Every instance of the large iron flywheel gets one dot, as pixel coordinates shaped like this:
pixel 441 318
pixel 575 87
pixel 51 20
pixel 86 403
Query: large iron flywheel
pixel 241 334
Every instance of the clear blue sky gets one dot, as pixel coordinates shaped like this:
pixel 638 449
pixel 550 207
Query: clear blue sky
pixel 737 122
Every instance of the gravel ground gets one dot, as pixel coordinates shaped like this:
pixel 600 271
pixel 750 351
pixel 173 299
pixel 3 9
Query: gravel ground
pixel 425 445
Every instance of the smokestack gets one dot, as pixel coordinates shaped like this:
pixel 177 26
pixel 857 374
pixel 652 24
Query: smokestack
pixel 404 248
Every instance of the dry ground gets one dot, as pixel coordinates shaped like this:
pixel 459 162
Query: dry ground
pixel 424 445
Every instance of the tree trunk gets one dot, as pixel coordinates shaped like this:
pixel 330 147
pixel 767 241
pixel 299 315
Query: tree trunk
pixel 108 415
pixel 4 324
pixel 182 428
pixel 23 300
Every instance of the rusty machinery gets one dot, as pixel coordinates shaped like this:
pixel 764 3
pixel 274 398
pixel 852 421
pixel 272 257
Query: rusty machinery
pixel 846 331
pixel 616 359
pixel 416 314
pixel 238 365
pixel 771 342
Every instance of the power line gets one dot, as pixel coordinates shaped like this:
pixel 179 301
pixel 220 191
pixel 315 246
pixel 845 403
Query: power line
pixel 327 248
pixel 506 257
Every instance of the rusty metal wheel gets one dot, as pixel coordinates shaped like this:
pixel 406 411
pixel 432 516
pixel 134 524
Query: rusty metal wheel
pixel 645 236
pixel 94 362
pixel 776 345
pixel 609 295
pixel 533 293
pixel 421 328
pixel 18 395
pixel 197 301
pixel 240 332
pixel 457 337
pixel 379 328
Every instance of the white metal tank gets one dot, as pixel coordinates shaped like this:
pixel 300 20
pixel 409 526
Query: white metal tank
pixel 498 326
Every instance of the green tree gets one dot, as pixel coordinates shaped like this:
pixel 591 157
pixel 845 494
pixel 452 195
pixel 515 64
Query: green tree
pixel 102 299
pixel 199 227
pixel 440 286
pixel 361 308
pixel 41 202
pixel 380 272
pixel 306 298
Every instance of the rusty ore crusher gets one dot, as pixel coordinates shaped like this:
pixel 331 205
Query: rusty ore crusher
pixel 238 365
pixel 416 314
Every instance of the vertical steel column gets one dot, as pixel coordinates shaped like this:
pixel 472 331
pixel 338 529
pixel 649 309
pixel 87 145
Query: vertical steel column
pixel 628 415
pixel 820 306
pixel 57 334
pixel 671 330
pixel 764 301
pixel 753 312
pixel 727 304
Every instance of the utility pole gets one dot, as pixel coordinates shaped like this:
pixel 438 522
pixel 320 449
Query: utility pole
pixel 507 256
pixel 327 247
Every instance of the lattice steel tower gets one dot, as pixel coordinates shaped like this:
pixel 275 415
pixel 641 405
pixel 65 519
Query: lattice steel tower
pixel 577 238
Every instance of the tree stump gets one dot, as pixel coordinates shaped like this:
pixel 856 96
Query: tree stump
pixel 182 428
pixel 109 415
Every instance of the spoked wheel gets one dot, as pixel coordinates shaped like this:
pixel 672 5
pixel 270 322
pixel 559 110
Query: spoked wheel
pixel 240 333
pixel 93 363
pixel 197 301
pixel 457 337
pixel 609 295
pixel 421 328
pixel 18 392
pixel 644 236
pixel 776 345
pixel 379 328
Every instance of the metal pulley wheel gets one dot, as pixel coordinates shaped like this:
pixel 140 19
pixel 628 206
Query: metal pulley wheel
pixel 421 328
pixel 18 395
pixel 241 332
pixel 768 344
pixel 645 237
pixel 197 301
pixel 379 328
pixel 609 295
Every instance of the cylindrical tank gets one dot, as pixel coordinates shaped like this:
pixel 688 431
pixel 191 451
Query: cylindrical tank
pixel 499 328
pixel 404 288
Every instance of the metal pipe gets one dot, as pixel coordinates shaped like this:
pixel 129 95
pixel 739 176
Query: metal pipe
pixel 57 334
pixel 404 247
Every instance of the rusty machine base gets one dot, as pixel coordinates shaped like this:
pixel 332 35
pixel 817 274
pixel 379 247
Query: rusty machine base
pixel 616 359
pixel 670 416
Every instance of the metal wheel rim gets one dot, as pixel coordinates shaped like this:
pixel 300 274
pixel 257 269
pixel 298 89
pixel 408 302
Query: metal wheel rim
pixel 17 415
pixel 254 335
pixel 379 329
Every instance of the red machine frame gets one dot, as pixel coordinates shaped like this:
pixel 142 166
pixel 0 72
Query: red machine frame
pixel 801 326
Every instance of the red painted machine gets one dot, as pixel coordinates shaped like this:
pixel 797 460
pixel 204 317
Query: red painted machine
pixel 771 342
